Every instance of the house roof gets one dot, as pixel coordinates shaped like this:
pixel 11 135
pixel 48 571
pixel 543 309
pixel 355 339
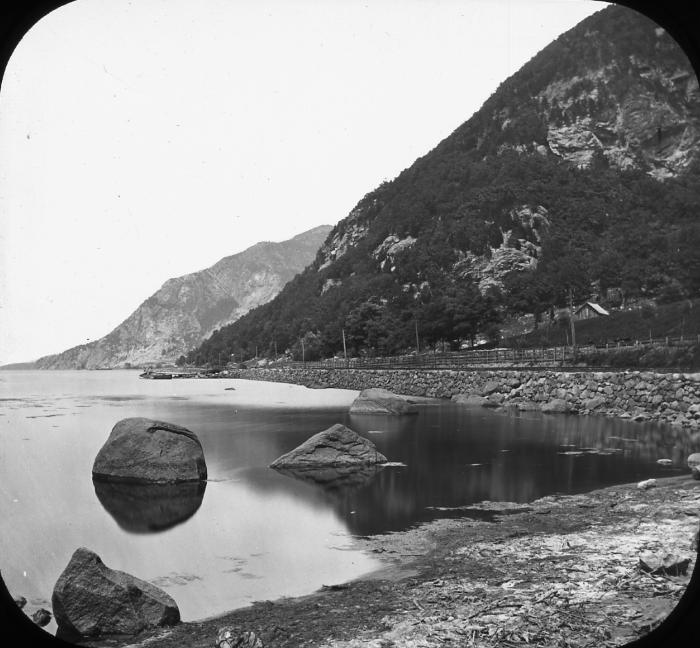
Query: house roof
pixel 596 307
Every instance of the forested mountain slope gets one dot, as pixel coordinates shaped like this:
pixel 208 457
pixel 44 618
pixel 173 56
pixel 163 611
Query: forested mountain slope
pixel 579 175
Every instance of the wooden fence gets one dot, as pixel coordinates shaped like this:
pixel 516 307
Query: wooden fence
pixel 559 356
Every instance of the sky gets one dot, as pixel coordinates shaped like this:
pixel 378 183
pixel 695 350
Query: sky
pixel 146 139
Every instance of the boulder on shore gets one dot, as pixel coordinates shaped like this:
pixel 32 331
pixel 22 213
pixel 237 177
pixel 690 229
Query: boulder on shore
pixel 694 464
pixel 381 401
pixel 473 400
pixel 336 446
pixel 144 450
pixel 593 403
pixel 90 599
pixel 555 406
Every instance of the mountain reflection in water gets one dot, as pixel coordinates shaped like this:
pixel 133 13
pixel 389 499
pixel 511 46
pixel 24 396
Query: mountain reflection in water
pixel 149 508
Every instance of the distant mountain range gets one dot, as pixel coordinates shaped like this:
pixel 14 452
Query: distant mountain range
pixel 186 310
pixel 578 177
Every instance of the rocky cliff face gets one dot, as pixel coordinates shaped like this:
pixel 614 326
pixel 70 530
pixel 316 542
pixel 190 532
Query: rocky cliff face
pixel 187 309
pixel 615 91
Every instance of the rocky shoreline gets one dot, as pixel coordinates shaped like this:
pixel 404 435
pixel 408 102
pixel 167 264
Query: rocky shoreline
pixel 672 398
pixel 571 570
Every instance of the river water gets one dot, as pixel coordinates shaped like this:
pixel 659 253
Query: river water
pixel 251 533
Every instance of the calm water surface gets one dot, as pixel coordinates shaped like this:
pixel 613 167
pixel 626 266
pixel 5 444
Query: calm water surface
pixel 251 533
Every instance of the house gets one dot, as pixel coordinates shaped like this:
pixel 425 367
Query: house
pixel 589 310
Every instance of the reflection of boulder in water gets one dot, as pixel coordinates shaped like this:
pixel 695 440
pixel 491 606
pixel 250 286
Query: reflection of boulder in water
pixel 148 508
pixel 334 478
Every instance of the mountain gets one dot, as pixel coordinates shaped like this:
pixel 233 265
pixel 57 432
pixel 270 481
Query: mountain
pixel 187 309
pixel 578 178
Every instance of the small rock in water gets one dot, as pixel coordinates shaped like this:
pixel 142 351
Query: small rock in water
pixel 229 637
pixel 694 464
pixel 646 484
pixel 41 617
pixel 229 389
pixel 664 462
pixel 663 564
pixel 20 602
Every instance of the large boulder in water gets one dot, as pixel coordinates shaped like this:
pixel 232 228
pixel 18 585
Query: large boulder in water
pixel 90 599
pixel 336 446
pixel 143 450
pixel 381 401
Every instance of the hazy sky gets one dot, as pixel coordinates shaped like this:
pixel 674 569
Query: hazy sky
pixel 145 139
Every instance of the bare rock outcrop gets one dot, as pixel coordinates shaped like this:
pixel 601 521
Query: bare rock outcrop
pixel 90 599
pixel 142 450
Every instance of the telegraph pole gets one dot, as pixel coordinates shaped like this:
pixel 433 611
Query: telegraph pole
pixel 345 351
pixel 417 341
pixel 571 322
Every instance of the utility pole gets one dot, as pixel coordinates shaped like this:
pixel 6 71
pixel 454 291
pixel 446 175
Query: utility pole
pixel 303 355
pixel 417 341
pixel 571 322
pixel 345 350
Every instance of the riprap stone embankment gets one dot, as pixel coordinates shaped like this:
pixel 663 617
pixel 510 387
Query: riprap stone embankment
pixel 641 395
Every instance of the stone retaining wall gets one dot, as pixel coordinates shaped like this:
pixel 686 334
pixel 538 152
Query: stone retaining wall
pixel 670 398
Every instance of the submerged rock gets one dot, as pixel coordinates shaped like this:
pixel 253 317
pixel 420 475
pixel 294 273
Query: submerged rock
pixel 90 599
pixel 336 446
pixel 143 450
pixel 381 401
pixel 149 508
pixel 20 601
